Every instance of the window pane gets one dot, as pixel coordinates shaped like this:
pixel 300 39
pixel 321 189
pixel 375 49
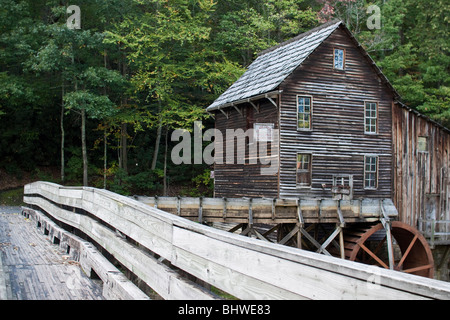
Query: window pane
pixel 370 180
pixel 304 112
pixel 371 117
pixel 339 59
pixel 304 169
pixel 371 172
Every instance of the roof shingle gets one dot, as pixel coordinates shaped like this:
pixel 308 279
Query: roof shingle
pixel 274 65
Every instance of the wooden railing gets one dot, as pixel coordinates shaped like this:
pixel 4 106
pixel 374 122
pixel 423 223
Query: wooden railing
pixel 163 244
pixel 437 232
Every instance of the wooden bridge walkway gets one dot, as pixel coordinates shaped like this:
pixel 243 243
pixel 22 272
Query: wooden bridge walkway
pixel 182 259
pixel 33 268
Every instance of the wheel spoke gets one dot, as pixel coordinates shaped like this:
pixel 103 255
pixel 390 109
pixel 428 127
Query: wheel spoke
pixel 373 256
pixel 425 267
pixel 400 264
pixel 379 245
pixel 375 252
pixel 415 256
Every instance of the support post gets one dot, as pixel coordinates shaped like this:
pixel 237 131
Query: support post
pixel 341 243
pixel 224 208
pixel 200 210
pixel 386 221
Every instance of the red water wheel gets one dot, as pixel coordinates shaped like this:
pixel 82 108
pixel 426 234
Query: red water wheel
pixel 410 251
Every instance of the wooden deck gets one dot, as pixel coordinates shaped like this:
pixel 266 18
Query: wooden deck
pixel 32 268
pixel 273 211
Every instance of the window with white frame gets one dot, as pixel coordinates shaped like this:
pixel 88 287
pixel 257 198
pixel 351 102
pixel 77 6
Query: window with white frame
pixel 339 59
pixel 304 170
pixel 304 112
pixel 370 117
pixel 371 172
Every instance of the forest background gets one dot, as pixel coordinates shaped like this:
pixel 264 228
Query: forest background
pixel 97 105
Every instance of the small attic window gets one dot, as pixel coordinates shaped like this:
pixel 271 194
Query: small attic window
pixel 339 59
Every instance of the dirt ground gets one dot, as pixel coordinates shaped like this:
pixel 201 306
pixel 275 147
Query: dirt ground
pixel 13 181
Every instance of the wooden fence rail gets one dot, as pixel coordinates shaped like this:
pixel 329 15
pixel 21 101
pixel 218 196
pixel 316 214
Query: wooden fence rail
pixel 243 267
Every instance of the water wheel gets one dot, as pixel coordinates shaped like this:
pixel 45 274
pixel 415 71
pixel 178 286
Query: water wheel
pixel 409 251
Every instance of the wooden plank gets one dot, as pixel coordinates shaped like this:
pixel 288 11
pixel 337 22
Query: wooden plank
pixel 155 274
pixel 196 249
pixel 417 173
pixel 211 254
pixel 41 273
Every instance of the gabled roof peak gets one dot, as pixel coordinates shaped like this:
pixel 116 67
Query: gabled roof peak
pixel 274 65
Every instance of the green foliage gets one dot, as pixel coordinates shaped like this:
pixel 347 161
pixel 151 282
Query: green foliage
pixel 158 64
pixel 74 168
pixel 96 106
pixel 12 197
pixel 204 182
pixel 412 47
pixel 248 27
pixel 141 183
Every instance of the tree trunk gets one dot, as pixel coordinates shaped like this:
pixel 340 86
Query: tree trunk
pixel 158 141
pixel 84 148
pixel 124 147
pixel 158 138
pixel 105 158
pixel 165 163
pixel 62 133
pixel 123 163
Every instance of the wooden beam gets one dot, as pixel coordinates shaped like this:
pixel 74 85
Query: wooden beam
pixel 271 100
pixel 200 210
pixel 314 242
pixel 290 235
pixel 330 238
pixel 238 110
pixel 224 113
pixel 386 221
pixel 274 201
pixel 254 105
pixel 250 212
pixel 179 206
pixel 342 244
pixel 341 217
pixel 224 208
pixel 299 214
pixel 235 228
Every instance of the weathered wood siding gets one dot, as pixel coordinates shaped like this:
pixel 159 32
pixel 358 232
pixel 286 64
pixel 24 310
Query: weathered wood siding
pixel 244 180
pixel 337 140
pixel 421 181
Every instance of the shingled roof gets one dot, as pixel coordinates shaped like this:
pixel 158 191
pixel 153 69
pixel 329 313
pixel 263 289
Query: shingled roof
pixel 273 66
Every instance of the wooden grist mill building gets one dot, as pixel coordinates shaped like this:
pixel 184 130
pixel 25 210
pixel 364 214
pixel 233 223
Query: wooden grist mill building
pixel 354 165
